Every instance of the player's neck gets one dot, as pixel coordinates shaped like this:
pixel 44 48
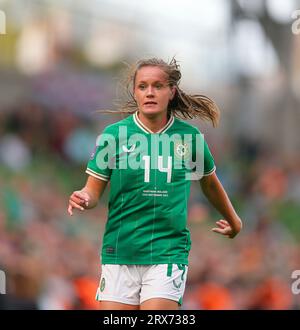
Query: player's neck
pixel 154 122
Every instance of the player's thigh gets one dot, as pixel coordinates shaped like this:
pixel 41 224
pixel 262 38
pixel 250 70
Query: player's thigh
pixel 112 305
pixel 159 304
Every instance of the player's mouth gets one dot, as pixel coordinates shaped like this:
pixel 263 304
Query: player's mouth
pixel 150 103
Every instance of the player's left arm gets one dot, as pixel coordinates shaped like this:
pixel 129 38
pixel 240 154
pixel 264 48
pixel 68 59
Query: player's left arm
pixel 217 196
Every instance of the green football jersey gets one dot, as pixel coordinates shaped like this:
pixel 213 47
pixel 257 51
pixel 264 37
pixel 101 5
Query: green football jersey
pixel 150 176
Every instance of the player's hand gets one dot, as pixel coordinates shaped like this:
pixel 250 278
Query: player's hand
pixel 224 228
pixel 78 200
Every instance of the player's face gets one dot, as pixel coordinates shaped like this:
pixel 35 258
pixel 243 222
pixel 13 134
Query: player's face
pixel 152 91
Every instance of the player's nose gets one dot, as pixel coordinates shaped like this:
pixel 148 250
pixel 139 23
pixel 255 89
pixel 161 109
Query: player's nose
pixel 150 91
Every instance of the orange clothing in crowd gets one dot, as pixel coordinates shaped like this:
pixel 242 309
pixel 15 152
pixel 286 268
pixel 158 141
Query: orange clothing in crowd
pixel 214 296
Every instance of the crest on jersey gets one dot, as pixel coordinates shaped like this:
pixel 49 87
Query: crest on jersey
pixel 182 150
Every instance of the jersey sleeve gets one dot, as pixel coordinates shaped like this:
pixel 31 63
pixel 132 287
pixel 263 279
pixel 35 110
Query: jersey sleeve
pixel 209 163
pixel 100 164
pixel 202 152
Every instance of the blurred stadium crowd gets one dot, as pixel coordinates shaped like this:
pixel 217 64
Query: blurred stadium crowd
pixel 52 261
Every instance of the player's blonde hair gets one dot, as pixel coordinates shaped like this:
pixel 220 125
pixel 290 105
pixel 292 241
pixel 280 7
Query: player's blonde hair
pixel 183 105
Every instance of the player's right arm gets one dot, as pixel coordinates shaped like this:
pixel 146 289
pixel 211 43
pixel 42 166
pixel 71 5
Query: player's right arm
pixel 88 196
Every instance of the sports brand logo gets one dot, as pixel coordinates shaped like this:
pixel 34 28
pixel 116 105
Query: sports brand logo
pixel 130 149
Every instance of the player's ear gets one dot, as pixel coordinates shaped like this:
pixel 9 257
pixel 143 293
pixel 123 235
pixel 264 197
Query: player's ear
pixel 172 93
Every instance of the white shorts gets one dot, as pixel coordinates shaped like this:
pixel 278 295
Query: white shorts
pixel 133 284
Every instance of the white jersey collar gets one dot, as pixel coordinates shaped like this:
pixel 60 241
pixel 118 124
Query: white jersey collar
pixel 148 130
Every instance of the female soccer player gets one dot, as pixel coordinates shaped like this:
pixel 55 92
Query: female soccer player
pixel 150 158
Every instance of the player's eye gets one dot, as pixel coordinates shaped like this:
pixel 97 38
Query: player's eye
pixel 159 86
pixel 142 86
